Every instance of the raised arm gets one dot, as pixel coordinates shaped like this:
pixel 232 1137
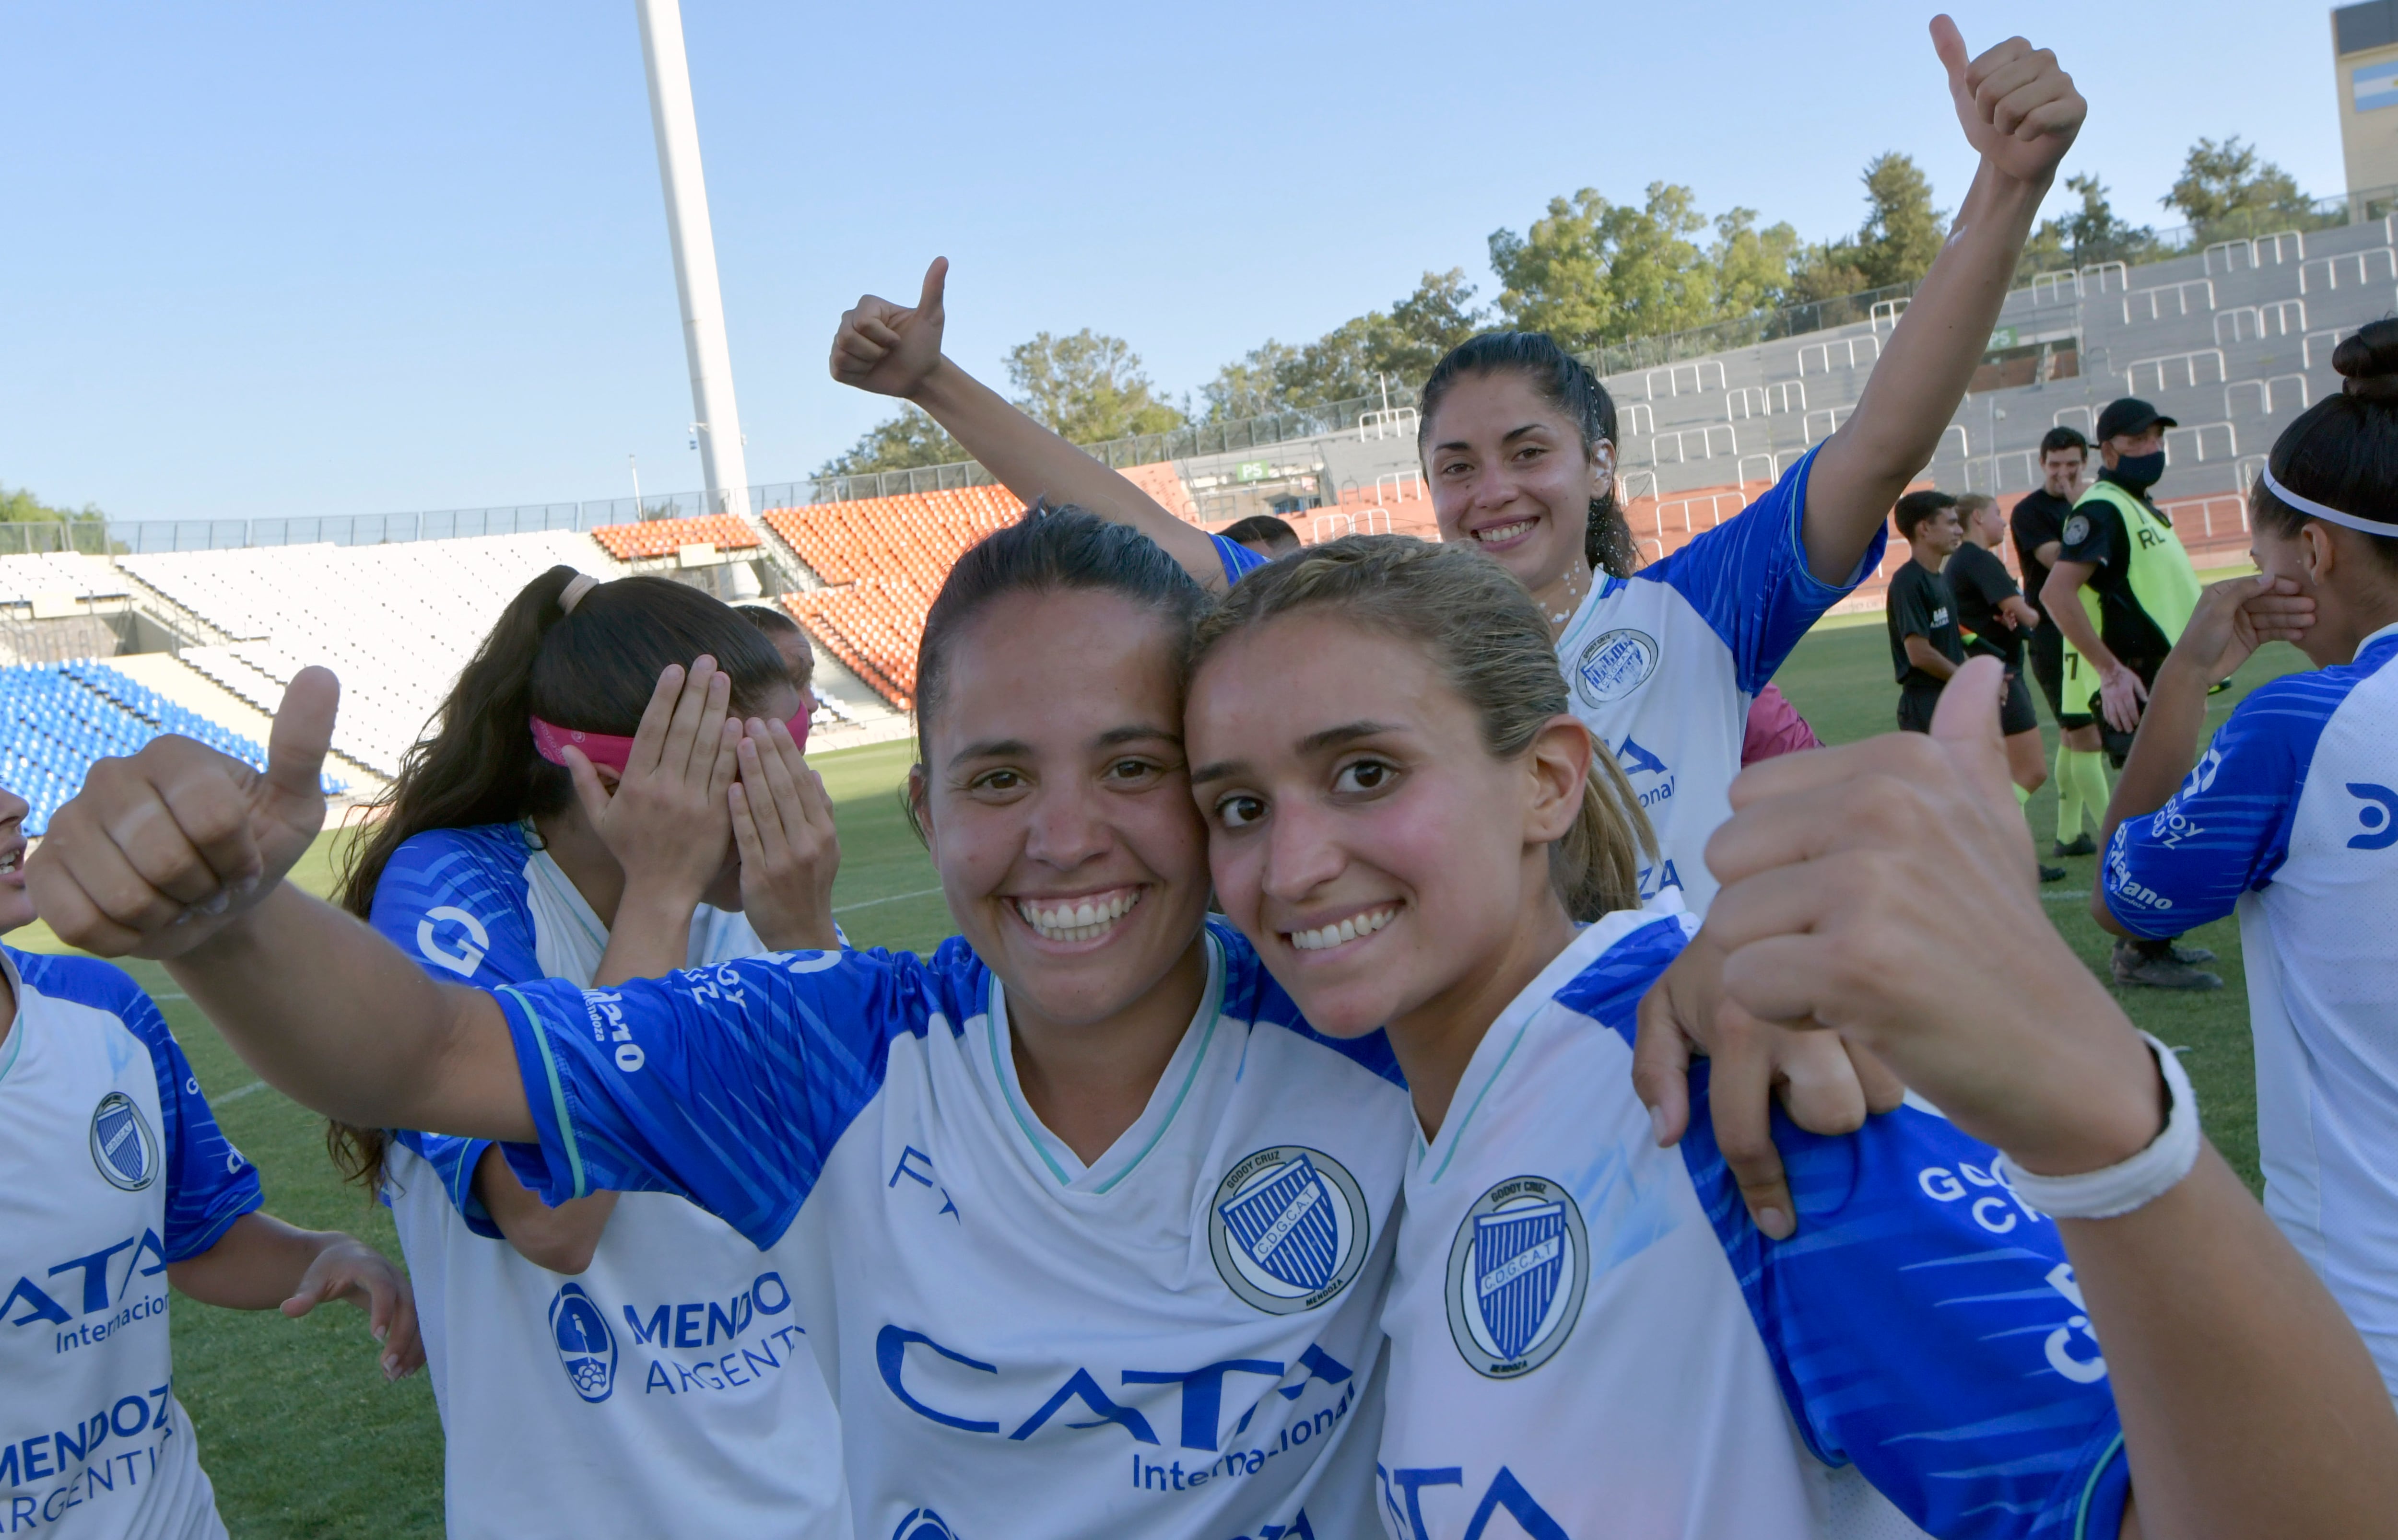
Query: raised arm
pixel 893 351
pixel 2249 1403
pixel 2021 112
pixel 179 853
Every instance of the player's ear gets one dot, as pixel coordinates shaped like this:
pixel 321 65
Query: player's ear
pixel 916 802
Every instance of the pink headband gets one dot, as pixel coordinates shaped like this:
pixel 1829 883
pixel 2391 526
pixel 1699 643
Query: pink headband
pixel 607 748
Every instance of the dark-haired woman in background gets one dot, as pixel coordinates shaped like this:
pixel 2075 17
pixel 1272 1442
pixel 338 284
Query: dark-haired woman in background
pixel 2291 819
pixel 798 658
pixel 615 1364
pixel 1519 443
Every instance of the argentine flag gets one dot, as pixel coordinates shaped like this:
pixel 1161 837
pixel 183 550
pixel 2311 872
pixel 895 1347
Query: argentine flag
pixel 2376 85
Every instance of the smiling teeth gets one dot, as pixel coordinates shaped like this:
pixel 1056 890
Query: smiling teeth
pixel 1079 919
pixel 1498 532
pixel 10 863
pixel 1347 930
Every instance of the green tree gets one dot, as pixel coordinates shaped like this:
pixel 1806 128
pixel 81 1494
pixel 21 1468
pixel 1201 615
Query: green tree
pixel 1355 359
pixel 1251 385
pixel 1087 388
pixel 1752 266
pixel 902 443
pixel 1592 272
pixel 2226 190
pixel 1903 233
pixel 2094 232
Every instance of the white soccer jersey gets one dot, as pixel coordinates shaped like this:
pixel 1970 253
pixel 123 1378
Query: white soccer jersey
pixel 1663 666
pixel 669 1389
pixel 1179 1341
pixel 2291 818
pixel 111 1167
pixel 1590 1340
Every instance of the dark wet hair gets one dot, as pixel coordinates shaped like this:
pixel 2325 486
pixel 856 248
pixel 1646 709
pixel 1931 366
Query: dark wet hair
pixel 2342 451
pixel 594 669
pixel 774 622
pixel 1567 383
pixel 1049 550
pixel 1266 530
pixel 2056 440
pixel 1915 509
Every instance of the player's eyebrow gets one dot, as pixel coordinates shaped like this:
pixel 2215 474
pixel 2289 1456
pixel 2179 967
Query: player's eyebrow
pixel 1315 743
pixel 1513 436
pixel 993 748
pixel 1138 732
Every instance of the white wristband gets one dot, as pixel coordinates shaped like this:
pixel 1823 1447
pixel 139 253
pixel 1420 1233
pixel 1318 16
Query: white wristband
pixel 2119 1189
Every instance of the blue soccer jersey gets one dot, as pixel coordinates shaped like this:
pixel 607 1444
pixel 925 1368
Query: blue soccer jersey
pixel 1663 666
pixel 2291 819
pixel 669 1387
pixel 111 1167
pixel 1590 1340
pixel 1179 1340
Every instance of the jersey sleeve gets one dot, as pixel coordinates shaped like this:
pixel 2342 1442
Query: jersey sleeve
pixel 727 1086
pixel 210 1183
pixel 1926 1327
pixel 454 1160
pixel 2089 532
pixel 1910 607
pixel 1991 583
pixel 1749 579
pixel 2033 526
pixel 2227 829
pixel 450 901
pixel 1238 559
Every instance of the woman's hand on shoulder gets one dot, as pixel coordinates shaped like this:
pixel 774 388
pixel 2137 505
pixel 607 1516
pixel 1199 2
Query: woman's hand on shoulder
pixel 665 822
pixel 781 824
pixel 1885 890
pixel 161 849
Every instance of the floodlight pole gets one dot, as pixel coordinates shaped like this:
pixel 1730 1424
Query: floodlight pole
pixel 718 427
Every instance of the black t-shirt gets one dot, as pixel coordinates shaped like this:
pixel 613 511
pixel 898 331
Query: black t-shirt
pixel 1980 582
pixel 1921 605
pixel 2038 519
pixel 2095 533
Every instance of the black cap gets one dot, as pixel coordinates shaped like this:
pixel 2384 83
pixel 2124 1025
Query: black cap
pixel 2130 415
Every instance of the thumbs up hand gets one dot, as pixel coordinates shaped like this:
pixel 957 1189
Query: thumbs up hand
pixel 891 350
pixel 160 850
pixel 2018 109
pixel 1886 890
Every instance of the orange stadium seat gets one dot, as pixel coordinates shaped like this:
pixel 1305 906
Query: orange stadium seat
pixel 664 536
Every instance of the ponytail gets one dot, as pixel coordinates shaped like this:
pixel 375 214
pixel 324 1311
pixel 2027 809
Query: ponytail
pixel 593 667
pixel 1567 383
pixel 1487 637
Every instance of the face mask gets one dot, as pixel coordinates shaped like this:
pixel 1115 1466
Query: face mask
pixel 2139 472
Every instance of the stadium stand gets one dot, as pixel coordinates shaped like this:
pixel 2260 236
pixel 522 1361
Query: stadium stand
pixel 59 719
pixel 666 537
pixel 26 579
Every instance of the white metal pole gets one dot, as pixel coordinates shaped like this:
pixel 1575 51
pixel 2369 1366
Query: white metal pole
pixel 722 461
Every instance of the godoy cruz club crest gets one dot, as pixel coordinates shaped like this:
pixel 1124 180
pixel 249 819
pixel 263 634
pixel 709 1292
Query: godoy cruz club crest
pixel 586 1347
pixel 1517 1273
pixel 122 1146
pixel 1288 1228
pixel 1615 665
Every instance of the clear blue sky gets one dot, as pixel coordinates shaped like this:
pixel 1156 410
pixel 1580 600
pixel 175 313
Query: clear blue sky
pixel 284 259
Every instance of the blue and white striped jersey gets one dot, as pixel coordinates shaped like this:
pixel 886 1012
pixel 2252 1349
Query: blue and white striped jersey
pixel 1663 666
pixel 1180 1340
pixel 2291 819
pixel 1573 1360
pixel 111 1167
pixel 669 1387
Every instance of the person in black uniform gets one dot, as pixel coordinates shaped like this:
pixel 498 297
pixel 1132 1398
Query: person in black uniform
pixel 2038 525
pixel 1925 650
pixel 1995 621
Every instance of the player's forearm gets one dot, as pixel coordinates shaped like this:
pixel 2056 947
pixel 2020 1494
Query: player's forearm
pixel 254 1266
pixel 2249 1405
pixel 1033 464
pixel 1920 377
pixel 2171 728
pixel 648 938
pixel 332 1015
pixel 1924 656
pixel 562 1239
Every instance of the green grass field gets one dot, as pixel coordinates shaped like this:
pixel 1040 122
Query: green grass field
pixel 303 1439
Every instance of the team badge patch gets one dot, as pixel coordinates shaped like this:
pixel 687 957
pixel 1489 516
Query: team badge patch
pixel 1517 1273
pixel 2077 528
pixel 122 1146
pixel 924 1524
pixel 1288 1228
pixel 586 1348
pixel 1615 665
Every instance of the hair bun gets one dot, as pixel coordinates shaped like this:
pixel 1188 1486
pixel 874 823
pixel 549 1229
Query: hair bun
pixel 2368 362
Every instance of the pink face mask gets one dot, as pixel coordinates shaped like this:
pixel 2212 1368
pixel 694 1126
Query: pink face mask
pixel 607 748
